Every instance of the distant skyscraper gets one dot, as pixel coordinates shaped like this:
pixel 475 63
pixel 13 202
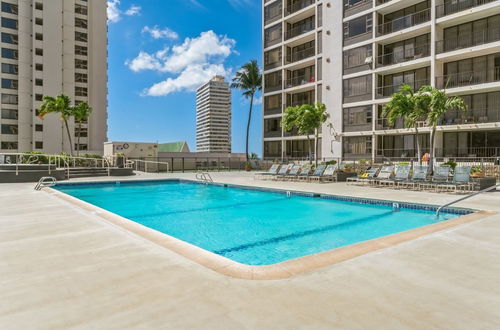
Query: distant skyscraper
pixel 49 48
pixel 213 116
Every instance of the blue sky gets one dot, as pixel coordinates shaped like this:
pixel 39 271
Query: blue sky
pixel 161 50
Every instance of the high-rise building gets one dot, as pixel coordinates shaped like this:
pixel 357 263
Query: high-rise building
pixel 353 55
pixel 213 116
pixel 49 48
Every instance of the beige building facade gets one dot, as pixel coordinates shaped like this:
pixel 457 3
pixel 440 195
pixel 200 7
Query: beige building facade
pixel 49 48
pixel 353 55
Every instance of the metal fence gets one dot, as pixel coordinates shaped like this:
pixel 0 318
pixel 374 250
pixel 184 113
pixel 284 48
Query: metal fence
pixel 191 164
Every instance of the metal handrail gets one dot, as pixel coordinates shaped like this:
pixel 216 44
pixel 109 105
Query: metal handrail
pixel 204 176
pixel 466 197
pixel 46 181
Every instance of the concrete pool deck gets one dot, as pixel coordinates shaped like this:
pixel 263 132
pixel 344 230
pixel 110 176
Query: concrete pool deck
pixel 65 267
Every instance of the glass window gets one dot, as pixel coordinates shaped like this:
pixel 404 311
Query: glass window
pixel 80 36
pixel 9 83
pixel 80 64
pixel 9 145
pixel 81 91
pixel 38 128
pixel 9 114
pixel 9 38
pixel 358 26
pixel 9 129
pixel 81 77
pixel 9 8
pixel 80 50
pixel 357 56
pixel 9 23
pixel 9 68
pixel 273 35
pixel 82 10
pixel 38 144
pixel 9 53
pixel 39 51
pixel 81 23
pixel 9 99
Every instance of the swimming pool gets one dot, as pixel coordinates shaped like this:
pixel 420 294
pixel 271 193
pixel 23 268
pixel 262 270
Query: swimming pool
pixel 254 227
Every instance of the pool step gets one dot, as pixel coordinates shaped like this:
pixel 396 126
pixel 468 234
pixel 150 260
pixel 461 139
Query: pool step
pixel 84 172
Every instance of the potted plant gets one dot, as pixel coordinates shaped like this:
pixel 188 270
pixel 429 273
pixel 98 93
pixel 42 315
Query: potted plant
pixel 120 160
pixel 476 172
pixel 451 164
pixel 347 168
pixel 248 166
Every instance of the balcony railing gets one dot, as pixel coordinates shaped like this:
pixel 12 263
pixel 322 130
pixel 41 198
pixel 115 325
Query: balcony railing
pixel 300 55
pixel 452 7
pixel 387 91
pixel 272 134
pixel 466 41
pixel 273 65
pixel 272 88
pixel 405 55
pixel 404 22
pixel 471 116
pixel 271 42
pixel 272 111
pixel 298 30
pixel 381 2
pixel 468 78
pixel 299 5
pixel 299 80
pixel 478 152
pixel 383 123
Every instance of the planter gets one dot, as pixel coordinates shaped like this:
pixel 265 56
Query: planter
pixel 248 167
pixel 120 162
pixel 342 176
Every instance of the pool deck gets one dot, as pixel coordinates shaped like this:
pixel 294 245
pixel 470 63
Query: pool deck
pixel 64 267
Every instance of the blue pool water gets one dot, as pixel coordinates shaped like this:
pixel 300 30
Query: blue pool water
pixel 250 226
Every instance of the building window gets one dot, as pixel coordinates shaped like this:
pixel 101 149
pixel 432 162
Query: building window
pixel 38 128
pixel 10 53
pixel 38 6
pixel 80 36
pixel 80 23
pixel 357 57
pixel 9 23
pixel 10 38
pixel 9 114
pixel 38 67
pixel 9 145
pixel 80 50
pixel 358 86
pixel 9 83
pixel 9 99
pixel 81 147
pixel 273 35
pixel 81 64
pixel 9 129
pixel 80 77
pixel 82 10
pixel 272 104
pixel 38 21
pixel 9 8
pixel 39 36
pixel 39 51
pixel 272 58
pixel 358 26
pixel 10 68
pixel 38 82
pixel 357 146
pixel 358 119
pixel 38 145
pixel 38 97
pixel 81 91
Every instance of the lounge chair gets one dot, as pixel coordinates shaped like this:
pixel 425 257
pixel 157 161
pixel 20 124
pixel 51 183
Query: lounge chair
pixel 318 172
pixel 419 176
pixel 271 172
pixel 294 171
pixel 305 172
pixel 402 175
pixel 329 173
pixel 441 175
pixel 365 177
pixel 384 176
pixel 461 180
pixel 283 171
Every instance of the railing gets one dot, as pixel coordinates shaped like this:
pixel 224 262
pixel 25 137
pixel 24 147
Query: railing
pixel 299 5
pixel 451 7
pixel 468 78
pixel 271 42
pixel 272 16
pixel 465 41
pixel 299 80
pixel 381 2
pixel 404 22
pixel 463 152
pixel 272 134
pixel 300 55
pixel 471 116
pixel 272 111
pixel 386 91
pixel 466 197
pixel 383 123
pixel 188 164
pixel 404 55
pixel 272 88
pixel 298 30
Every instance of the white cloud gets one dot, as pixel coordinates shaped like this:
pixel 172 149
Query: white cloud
pixel 257 100
pixel 157 33
pixel 195 61
pixel 115 13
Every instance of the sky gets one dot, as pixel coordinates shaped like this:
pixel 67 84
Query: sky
pixel 160 51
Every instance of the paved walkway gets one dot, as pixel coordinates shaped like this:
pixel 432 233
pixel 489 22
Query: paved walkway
pixel 62 267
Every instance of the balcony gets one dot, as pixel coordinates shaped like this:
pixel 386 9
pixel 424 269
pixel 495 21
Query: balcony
pixel 300 55
pixel 383 124
pixel 272 88
pixel 381 2
pixel 387 91
pixel 272 134
pixel 356 7
pixel 466 41
pixel 299 80
pixel 272 111
pixel 404 22
pixel 299 5
pixel 471 116
pixel 452 7
pixel 298 30
pixel 405 55
pixel 461 79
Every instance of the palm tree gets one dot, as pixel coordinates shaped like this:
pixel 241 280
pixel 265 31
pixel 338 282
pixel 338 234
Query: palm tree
pixel 249 80
pixel 61 105
pixel 438 103
pixel 405 105
pixel 81 112
pixel 308 120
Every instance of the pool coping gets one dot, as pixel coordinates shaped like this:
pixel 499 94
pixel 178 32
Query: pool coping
pixel 281 270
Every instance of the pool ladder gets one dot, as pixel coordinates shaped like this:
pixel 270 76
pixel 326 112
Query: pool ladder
pixel 466 197
pixel 46 181
pixel 204 176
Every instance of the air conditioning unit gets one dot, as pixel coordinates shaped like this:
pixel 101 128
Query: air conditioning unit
pixel 369 60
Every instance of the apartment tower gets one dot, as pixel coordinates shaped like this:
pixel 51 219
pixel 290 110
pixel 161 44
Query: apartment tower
pixel 213 116
pixel 49 48
pixel 367 50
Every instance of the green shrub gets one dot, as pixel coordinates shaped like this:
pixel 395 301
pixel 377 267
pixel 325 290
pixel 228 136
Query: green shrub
pixel 331 162
pixel 451 164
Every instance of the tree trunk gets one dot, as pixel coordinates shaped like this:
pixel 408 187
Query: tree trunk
pixel 310 149
pixel 316 148
pixel 78 138
pixel 419 150
pixel 69 137
pixel 433 150
pixel 248 125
